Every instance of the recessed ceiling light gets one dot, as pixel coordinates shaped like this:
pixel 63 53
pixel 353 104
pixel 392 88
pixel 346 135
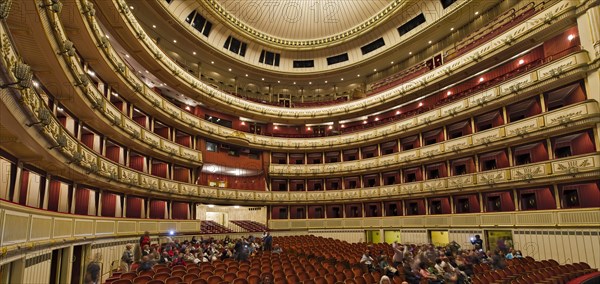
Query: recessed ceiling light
pixel 570 37
pixel 420 104
pixel 410 53
pixel 358 76
pixel 260 78
pixel 392 62
pixel 187 108
pixel 106 36
pixel 477 13
pixel 154 26
pixel 127 55
pixel 310 83
pixel 278 81
pixel 364 122
pixel 275 127
pixel 59 108
pixel 147 71
pixel 451 29
pixel 375 70
pixel 481 79
pixel 294 83
pixel 397 112
pixel 325 82
pixel 246 75
pixel 174 41
pixel 194 53
pixel 377 119
pixel 521 61
pixel 212 62
pixel 342 126
pixel 131 7
pixel 229 69
pixel 430 42
pixel 308 128
pixel 36 84
pixel 448 93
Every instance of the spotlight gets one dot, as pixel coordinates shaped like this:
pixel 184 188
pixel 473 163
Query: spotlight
pixel 171 233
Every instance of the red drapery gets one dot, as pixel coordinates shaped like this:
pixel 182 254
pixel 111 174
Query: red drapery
pixel 159 170
pixel 141 120
pixel 180 210
pixel 184 140
pixel 82 198
pixel 157 209
pixel 181 174
pixel 53 195
pixel 113 153
pixel 109 203
pixel 137 163
pixel 88 140
pixel 24 185
pixel 134 207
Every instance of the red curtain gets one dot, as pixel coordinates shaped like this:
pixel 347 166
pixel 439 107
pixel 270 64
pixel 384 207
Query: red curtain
pixel 53 195
pixel 181 174
pixel 159 170
pixel 157 209
pixel 141 120
pixel 137 163
pixel 180 210
pixel 184 140
pixel 82 198
pixel 113 153
pixel 164 132
pixel 109 204
pixel 24 185
pixel 88 140
pixel 134 207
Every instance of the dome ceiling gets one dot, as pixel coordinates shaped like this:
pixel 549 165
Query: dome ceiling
pixel 302 23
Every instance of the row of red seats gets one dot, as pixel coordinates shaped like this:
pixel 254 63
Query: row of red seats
pixel 250 226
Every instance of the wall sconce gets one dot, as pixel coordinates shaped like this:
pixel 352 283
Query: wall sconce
pixel 55 6
pixel 67 48
pixel 5 9
pixel 24 76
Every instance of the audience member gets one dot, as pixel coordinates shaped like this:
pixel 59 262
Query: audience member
pixel 126 258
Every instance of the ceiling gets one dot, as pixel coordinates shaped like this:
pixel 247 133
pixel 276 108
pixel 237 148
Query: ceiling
pixel 303 19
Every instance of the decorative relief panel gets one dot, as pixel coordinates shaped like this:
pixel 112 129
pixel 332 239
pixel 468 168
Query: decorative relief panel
pixel 529 172
pixel 573 166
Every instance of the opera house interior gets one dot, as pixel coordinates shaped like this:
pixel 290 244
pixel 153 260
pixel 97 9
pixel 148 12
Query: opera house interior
pixel 299 141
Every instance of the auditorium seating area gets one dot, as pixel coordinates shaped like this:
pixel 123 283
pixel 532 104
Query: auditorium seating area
pixel 212 227
pixel 310 259
pixel 250 226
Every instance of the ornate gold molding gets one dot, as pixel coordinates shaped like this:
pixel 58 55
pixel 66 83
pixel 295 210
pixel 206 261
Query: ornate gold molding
pixel 239 26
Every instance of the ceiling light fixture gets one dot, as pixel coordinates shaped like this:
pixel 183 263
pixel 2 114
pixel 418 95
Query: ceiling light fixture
pixel 229 69
pixel 420 104
pixel 451 29
pixel 477 13
pixel 481 79
pixel 570 37
pixel 397 112
pixel 194 53
pixel 410 53
pixel 448 93
pixel 521 61
pixel 430 42
pixel 174 41
pixel 154 26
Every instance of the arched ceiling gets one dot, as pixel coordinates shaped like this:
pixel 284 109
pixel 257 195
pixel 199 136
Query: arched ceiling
pixel 303 19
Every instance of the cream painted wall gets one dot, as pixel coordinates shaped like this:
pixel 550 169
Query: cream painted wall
pixel 565 246
pixel 351 236
pixel 33 190
pixel 39 267
pixel 4 179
